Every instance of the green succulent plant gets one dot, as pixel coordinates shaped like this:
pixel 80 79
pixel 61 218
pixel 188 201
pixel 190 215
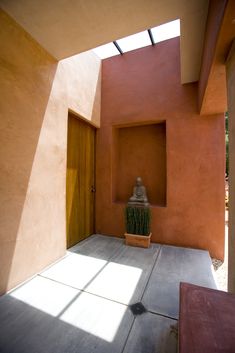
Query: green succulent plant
pixel 137 220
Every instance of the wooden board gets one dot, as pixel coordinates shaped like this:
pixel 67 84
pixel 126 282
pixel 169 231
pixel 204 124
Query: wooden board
pixel 143 241
pixel 80 180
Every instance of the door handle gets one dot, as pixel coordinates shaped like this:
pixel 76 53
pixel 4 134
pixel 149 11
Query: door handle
pixel 93 189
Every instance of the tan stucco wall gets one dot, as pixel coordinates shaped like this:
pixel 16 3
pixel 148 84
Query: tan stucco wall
pixel 230 73
pixel 36 93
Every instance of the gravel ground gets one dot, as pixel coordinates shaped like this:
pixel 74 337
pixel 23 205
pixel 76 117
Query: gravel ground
pixel 220 267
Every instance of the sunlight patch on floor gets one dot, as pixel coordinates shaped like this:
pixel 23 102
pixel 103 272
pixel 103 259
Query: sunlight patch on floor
pixel 117 282
pixel 45 295
pixel 95 315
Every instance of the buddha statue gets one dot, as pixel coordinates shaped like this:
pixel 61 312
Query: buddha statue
pixel 139 197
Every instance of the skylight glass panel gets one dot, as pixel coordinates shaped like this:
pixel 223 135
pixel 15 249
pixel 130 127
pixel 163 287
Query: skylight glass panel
pixel 166 31
pixel 134 41
pixel 106 51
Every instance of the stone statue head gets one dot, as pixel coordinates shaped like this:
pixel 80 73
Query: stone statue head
pixel 138 181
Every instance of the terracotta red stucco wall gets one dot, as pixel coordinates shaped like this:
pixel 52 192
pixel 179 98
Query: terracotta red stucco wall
pixel 212 86
pixel 220 32
pixel 144 148
pixel 144 86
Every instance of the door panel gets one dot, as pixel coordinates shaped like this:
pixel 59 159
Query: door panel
pixel 80 180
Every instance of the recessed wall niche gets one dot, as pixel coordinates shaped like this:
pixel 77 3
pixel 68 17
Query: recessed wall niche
pixel 140 151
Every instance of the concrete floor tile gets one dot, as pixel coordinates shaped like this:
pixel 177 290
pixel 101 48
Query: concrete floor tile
pixel 86 324
pixel 57 312
pixel 125 277
pixel 99 246
pixel 176 265
pixel 100 317
pixel 187 264
pixel 152 334
pixel 45 295
pixel 84 261
pixel 75 270
pixel 162 295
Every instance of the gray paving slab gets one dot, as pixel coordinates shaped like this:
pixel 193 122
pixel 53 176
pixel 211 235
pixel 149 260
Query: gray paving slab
pixel 125 277
pixel 98 246
pixel 187 263
pixel 152 333
pixel 85 261
pixel 70 321
pixel 162 295
pixel 45 295
pixel 80 303
pixel 176 265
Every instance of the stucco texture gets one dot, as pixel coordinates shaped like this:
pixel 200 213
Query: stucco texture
pixel 230 72
pixel 143 146
pixel 36 94
pixel 142 87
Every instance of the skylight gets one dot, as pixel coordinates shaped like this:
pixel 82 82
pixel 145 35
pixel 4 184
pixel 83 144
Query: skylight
pixel 167 31
pixel 106 51
pixel 135 41
pixel 139 40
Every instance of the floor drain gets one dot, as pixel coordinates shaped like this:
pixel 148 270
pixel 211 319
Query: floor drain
pixel 137 309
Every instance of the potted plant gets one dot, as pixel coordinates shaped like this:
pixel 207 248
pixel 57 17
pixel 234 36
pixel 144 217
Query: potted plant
pixel 137 217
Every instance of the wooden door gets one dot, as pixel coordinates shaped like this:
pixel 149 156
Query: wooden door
pixel 80 182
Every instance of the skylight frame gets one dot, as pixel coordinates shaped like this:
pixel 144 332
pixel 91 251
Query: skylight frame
pixel 152 36
pixel 134 41
pixel 118 47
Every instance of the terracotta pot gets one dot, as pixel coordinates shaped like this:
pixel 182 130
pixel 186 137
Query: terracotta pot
pixel 142 241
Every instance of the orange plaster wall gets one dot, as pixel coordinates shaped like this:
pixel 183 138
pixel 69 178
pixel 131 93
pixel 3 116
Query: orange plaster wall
pixel 230 74
pixel 36 93
pixel 144 86
pixel 220 32
pixel 144 148
pixel 214 101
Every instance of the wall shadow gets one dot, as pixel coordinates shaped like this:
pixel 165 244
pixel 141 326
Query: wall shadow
pixel 25 329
